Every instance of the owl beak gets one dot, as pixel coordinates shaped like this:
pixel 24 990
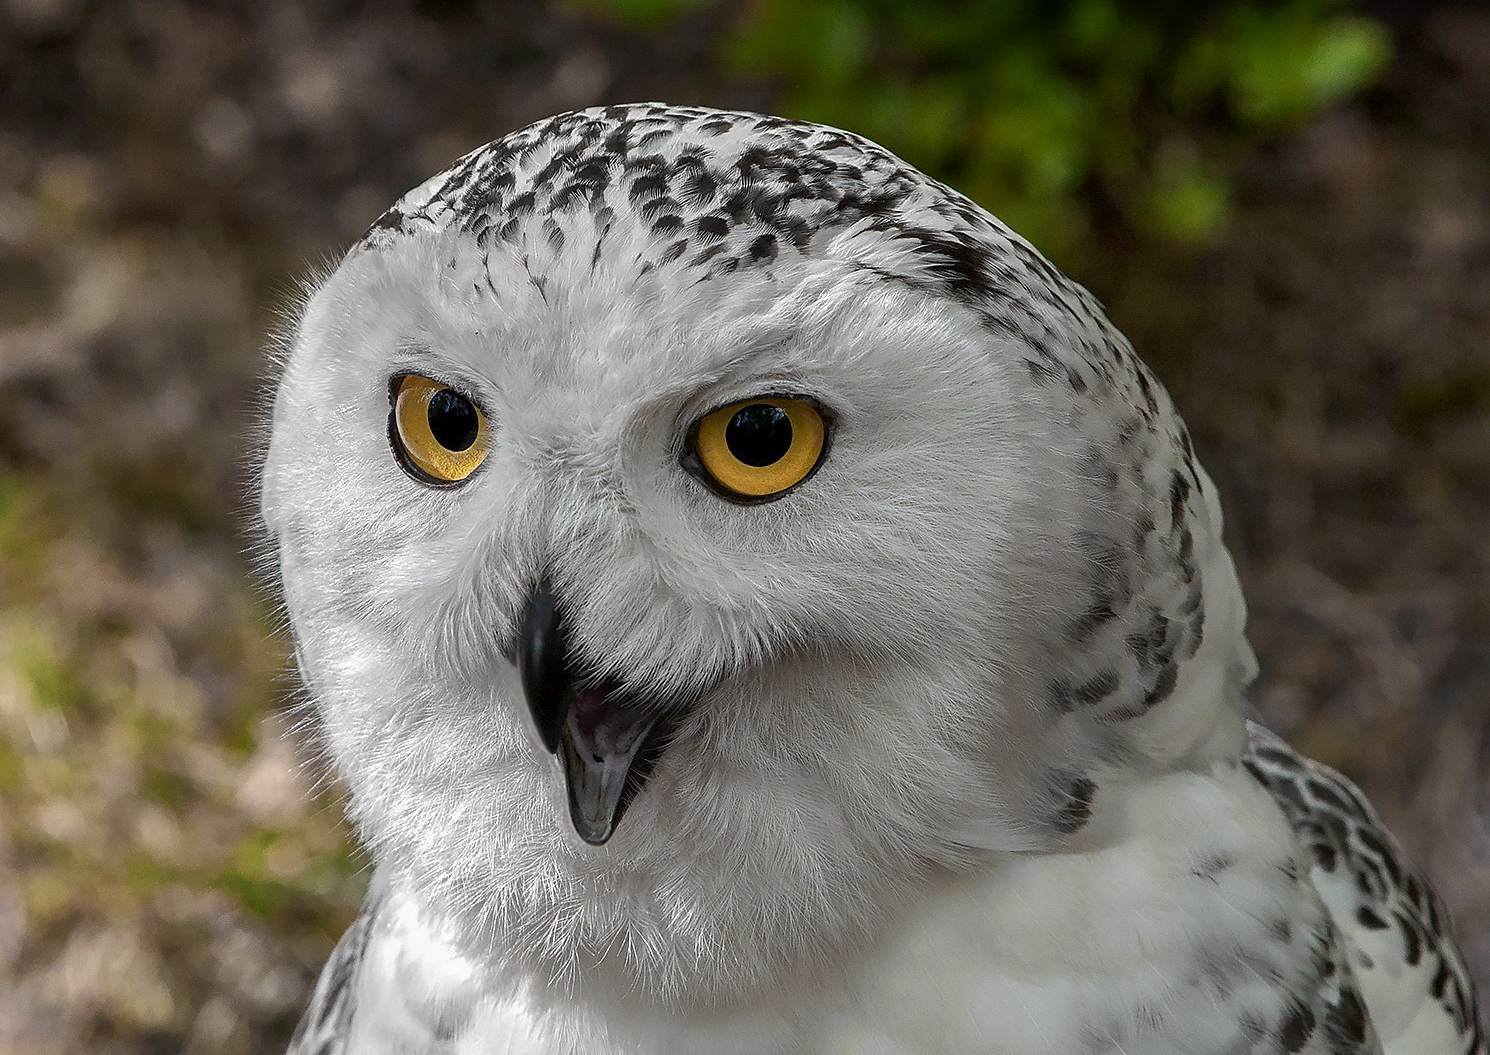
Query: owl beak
pixel 607 741
pixel 542 663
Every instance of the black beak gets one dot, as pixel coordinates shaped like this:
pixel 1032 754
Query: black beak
pixel 542 661
pixel 607 740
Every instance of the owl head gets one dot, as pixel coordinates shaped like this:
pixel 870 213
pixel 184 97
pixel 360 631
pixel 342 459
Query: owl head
pixel 699 530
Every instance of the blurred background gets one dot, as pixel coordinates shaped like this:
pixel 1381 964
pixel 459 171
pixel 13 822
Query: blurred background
pixel 1285 203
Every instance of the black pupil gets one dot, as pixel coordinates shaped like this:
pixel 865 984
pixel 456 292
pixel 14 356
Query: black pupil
pixel 759 434
pixel 452 420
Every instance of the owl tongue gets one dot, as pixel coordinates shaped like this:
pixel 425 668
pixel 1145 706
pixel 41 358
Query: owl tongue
pixel 606 745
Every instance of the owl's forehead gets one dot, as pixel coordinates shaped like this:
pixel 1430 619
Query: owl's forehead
pixel 689 189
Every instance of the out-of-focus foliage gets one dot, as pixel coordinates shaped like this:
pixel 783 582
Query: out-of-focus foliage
pixel 1045 110
pixel 168 880
pixel 145 821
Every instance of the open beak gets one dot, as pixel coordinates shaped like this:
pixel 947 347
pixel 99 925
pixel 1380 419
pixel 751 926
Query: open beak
pixel 607 740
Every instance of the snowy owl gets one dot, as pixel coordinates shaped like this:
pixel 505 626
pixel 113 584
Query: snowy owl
pixel 759 605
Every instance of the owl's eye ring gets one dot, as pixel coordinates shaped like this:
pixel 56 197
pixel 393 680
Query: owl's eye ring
pixel 757 450
pixel 439 436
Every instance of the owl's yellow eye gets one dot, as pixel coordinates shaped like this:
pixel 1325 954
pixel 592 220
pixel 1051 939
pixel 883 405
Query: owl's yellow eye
pixel 759 448
pixel 438 434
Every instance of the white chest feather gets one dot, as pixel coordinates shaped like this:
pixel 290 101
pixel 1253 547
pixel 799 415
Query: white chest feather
pixel 1175 934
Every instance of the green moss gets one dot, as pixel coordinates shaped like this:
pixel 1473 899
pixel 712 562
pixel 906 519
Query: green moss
pixel 54 683
pixel 12 776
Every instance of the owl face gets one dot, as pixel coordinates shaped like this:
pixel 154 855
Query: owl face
pixel 661 614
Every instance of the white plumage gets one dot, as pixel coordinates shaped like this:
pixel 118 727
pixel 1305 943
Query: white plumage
pixel 866 588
